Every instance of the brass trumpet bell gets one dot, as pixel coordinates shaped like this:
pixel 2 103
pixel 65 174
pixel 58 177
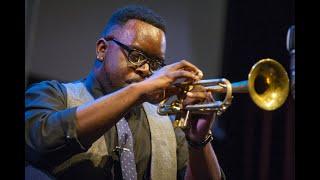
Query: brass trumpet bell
pixel 268 84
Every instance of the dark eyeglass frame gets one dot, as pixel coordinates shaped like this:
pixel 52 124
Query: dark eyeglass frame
pixel 154 63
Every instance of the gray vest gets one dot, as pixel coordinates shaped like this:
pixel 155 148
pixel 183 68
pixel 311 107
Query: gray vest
pixel 163 140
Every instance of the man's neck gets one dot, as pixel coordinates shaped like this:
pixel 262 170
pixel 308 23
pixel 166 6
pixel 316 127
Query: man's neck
pixel 104 81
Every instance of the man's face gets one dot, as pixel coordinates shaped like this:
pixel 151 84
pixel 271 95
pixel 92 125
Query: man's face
pixel 135 34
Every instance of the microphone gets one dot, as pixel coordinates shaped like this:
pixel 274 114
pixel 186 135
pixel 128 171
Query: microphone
pixel 291 50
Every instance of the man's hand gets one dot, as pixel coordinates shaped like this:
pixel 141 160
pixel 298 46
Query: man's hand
pixel 165 77
pixel 200 123
pixel 203 163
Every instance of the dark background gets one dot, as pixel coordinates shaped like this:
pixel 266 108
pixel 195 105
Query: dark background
pixel 259 144
pixel 223 38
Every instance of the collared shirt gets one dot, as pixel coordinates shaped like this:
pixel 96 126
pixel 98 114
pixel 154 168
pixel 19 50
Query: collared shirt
pixel 51 137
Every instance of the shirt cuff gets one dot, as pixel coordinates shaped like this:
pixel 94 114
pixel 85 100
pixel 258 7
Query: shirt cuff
pixel 69 125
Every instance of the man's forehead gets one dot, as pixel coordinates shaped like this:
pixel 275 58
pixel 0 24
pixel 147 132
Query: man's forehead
pixel 135 28
pixel 143 35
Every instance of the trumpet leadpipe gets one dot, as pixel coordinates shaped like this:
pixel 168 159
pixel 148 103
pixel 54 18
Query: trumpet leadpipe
pixel 237 87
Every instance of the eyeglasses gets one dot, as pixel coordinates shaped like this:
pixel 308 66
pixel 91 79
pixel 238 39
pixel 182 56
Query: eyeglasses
pixel 138 58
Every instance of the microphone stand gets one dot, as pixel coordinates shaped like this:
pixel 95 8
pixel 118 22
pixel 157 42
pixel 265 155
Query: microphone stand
pixel 291 50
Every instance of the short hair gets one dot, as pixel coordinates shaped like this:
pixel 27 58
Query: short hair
pixel 122 15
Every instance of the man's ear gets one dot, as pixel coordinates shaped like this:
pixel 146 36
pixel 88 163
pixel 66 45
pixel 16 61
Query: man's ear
pixel 101 48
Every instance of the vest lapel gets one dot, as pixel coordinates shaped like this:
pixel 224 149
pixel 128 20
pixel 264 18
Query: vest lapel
pixel 163 145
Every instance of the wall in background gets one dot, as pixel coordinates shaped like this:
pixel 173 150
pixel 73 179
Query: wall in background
pixel 61 35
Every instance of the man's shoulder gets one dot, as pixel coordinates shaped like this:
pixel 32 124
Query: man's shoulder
pixel 49 85
pixel 45 85
pixel 44 91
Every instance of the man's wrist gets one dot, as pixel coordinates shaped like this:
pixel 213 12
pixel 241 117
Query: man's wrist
pixel 199 144
pixel 139 89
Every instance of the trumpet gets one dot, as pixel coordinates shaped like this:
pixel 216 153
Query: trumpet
pixel 267 84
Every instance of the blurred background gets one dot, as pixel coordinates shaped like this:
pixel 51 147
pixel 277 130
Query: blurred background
pixel 224 38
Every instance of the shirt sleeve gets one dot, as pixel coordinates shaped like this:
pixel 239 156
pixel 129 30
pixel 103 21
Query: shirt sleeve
pixel 50 128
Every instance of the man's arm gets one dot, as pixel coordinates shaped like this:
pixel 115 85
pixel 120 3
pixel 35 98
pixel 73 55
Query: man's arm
pixel 95 118
pixel 52 132
pixel 194 158
pixel 203 163
pixel 49 125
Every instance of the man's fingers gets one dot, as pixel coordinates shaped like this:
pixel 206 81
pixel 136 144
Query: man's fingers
pixel 197 95
pixel 183 64
pixel 184 74
pixel 209 97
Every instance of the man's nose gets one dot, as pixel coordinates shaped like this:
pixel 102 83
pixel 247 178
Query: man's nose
pixel 144 70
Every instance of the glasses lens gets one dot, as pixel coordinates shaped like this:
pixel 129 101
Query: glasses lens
pixel 137 58
pixel 154 65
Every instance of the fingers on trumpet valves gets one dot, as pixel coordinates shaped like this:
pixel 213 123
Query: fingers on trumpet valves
pixel 203 95
pixel 210 97
pixel 199 74
pixel 187 66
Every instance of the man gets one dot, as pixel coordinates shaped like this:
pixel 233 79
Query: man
pixel 104 127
